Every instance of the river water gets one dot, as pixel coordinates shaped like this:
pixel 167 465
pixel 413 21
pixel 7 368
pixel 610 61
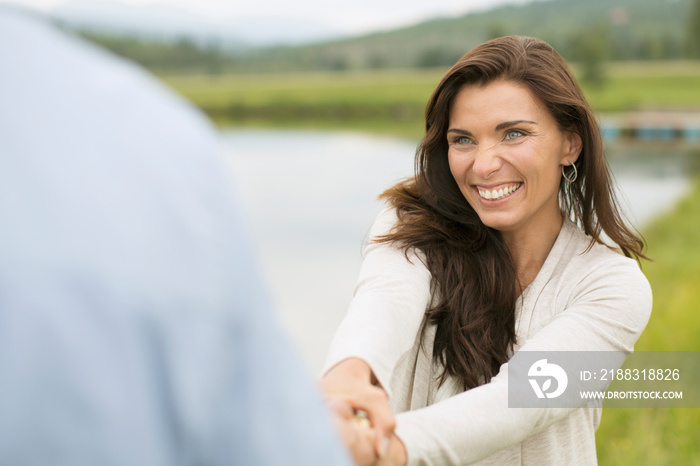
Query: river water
pixel 310 198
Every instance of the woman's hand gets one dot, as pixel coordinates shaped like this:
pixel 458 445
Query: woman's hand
pixel 359 437
pixel 356 433
pixel 350 382
pixel 395 455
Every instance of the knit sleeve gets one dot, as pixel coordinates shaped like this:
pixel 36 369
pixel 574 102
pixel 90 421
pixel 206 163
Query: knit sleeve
pixel 387 309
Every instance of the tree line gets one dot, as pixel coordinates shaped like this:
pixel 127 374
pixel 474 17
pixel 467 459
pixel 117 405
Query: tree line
pixel 589 45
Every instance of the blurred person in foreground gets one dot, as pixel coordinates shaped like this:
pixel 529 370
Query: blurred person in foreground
pixel 496 246
pixel 134 328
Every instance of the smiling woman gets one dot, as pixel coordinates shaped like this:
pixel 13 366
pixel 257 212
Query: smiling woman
pixel 509 169
pixel 494 247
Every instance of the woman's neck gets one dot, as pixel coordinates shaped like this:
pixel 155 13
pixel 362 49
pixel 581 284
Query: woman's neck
pixel 529 249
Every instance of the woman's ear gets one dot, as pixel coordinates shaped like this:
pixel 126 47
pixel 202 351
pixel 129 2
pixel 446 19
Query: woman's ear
pixel 573 147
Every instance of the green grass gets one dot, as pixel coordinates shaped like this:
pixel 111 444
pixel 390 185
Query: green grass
pixel 664 436
pixel 394 100
pixel 674 244
pixel 380 101
pixel 638 85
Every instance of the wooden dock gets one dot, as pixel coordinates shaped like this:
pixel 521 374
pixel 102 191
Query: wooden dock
pixel 652 126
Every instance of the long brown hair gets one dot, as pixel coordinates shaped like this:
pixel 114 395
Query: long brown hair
pixel 473 276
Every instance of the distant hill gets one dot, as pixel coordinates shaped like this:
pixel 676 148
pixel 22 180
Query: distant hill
pixel 581 30
pixel 624 29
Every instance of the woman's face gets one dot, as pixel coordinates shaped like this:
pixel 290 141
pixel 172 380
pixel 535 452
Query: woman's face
pixel 505 153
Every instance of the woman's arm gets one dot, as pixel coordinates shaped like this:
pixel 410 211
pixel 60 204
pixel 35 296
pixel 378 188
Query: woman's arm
pixel 381 326
pixel 608 311
pixel 387 309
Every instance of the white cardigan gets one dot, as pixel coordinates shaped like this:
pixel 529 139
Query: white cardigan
pixel 595 300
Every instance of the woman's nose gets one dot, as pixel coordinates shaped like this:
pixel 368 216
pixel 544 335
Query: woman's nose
pixel 487 161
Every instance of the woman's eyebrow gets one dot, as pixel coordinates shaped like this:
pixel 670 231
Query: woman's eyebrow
pixel 499 127
pixel 508 124
pixel 459 131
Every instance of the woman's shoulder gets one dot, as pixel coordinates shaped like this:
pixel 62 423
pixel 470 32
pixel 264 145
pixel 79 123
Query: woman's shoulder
pixel 593 261
pixel 385 221
pixel 588 250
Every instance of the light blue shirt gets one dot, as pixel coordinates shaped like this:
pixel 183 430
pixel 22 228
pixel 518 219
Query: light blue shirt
pixel 134 328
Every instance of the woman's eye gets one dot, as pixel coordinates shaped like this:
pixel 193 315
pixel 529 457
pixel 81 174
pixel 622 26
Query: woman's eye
pixel 462 140
pixel 514 134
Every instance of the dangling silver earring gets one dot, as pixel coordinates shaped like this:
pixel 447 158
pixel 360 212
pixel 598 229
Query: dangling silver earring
pixel 570 178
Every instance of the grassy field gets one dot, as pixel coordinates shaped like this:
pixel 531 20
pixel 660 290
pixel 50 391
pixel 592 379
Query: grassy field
pixel 387 102
pixel 664 436
pixel 394 101
pixel 633 86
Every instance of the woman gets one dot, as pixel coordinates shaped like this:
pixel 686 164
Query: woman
pixel 497 245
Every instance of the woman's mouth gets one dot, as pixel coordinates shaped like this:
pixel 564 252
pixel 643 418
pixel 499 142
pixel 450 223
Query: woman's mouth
pixel 497 194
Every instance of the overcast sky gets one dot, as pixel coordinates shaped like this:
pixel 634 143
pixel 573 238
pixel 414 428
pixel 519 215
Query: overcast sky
pixel 354 16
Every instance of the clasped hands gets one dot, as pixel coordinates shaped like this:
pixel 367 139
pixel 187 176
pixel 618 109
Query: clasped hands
pixel 363 415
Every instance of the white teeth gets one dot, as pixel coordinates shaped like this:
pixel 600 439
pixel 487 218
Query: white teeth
pixel 498 194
